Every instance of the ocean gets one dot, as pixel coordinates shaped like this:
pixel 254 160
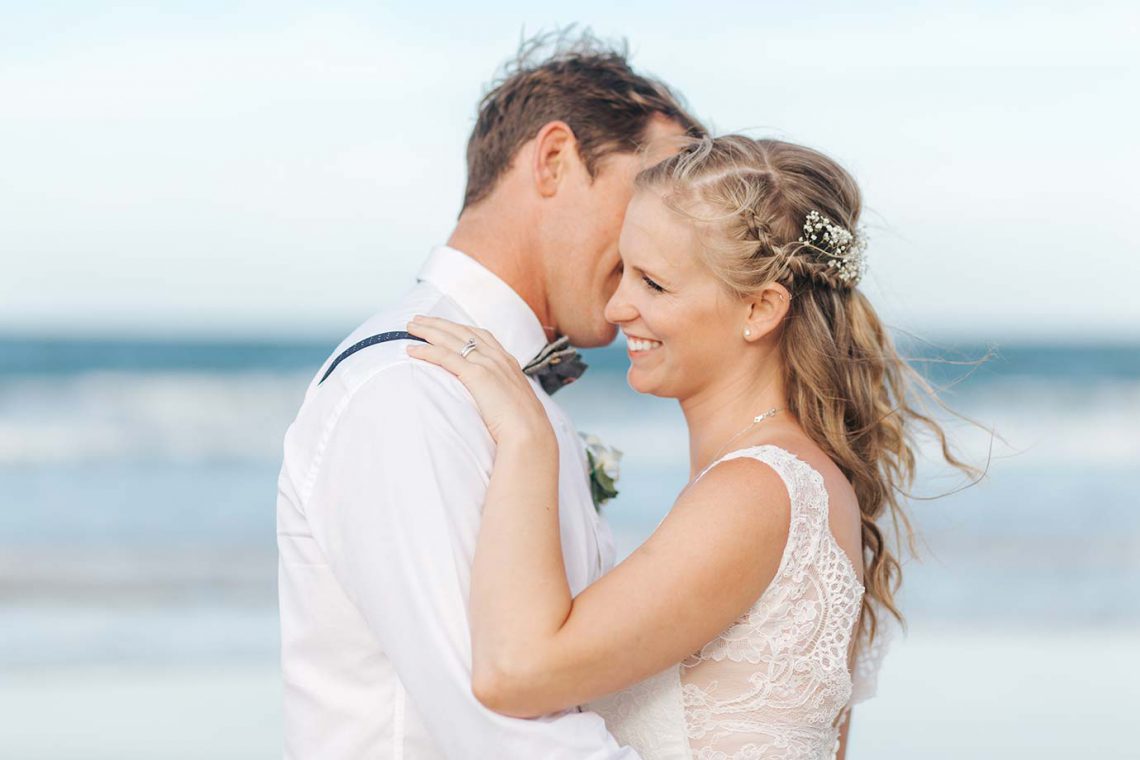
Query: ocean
pixel 137 481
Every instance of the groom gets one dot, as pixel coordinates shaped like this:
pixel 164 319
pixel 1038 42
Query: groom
pixel 386 465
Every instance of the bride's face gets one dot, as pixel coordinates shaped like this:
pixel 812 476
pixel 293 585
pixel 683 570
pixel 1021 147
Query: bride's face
pixel 682 326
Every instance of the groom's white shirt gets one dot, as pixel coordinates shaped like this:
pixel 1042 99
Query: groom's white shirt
pixel 385 471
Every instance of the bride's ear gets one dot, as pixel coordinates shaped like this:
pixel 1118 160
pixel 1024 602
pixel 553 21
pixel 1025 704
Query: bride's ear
pixel 766 310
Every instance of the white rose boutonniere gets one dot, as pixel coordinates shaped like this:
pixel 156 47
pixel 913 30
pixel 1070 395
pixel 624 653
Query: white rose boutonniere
pixel 605 469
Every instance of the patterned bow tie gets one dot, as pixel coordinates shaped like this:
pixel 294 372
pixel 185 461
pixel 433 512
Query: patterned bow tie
pixel 557 365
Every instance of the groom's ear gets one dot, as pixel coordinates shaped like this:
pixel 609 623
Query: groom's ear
pixel 555 157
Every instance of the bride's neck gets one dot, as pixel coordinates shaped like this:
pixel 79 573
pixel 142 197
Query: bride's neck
pixel 723 410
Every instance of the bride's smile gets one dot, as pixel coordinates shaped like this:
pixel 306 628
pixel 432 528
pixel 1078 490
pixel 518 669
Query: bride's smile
pixel 683 327
pixel 667 303
pixel 733 630
pixel 640 346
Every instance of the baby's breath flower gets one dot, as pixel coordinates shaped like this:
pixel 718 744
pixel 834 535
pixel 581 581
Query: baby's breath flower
pixel 847 250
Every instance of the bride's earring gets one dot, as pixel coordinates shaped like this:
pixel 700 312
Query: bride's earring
pixel 747 332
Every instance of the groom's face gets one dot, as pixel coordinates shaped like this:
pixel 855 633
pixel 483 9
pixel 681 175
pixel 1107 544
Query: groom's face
pixel 588 267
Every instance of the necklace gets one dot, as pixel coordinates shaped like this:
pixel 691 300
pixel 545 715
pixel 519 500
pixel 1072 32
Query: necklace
pixel 755 421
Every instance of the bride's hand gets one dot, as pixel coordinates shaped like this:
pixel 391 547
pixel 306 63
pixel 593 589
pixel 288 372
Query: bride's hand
pixel 506 399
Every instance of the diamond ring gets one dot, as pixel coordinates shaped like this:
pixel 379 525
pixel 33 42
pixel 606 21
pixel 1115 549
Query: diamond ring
pixel 468 347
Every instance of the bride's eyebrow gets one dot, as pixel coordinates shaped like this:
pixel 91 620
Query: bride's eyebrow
pixel 660 280
pixel 641 270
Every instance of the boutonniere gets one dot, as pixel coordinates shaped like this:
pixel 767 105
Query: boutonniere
pixel 605 469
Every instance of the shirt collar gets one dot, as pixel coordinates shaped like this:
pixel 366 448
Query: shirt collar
pixel 491 303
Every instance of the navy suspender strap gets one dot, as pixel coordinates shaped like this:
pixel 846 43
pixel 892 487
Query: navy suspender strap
pixel 369 341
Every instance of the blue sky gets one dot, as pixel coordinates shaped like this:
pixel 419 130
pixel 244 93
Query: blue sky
pixel 284 168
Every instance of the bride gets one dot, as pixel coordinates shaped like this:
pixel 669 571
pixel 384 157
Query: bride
pixel 732 631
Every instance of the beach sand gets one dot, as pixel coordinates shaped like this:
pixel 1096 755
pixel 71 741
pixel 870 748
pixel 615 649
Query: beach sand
pixel 956 694
pixel 963 694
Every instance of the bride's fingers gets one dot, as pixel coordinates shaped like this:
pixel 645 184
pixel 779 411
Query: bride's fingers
pixel 488 337
pixel 443 357
pixel 454 329
pixel 508 359
pixel 484 340
pixel 460 330
pixel 436 336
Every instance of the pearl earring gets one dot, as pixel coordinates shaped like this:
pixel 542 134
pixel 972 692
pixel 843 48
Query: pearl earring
pixel 747 333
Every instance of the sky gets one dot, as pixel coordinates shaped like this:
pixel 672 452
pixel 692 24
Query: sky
pixel 283 168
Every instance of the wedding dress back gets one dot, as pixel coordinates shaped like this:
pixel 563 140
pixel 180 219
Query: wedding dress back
pixel 775 683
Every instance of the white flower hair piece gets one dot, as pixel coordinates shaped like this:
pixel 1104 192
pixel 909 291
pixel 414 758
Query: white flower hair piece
pixel 846 249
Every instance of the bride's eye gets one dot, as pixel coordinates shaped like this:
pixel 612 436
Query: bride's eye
pixel 652 285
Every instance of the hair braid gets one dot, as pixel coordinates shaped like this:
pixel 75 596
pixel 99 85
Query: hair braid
pixel 853 394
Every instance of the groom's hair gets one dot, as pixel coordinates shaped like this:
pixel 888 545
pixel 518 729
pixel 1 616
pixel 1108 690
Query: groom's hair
pixel 574 78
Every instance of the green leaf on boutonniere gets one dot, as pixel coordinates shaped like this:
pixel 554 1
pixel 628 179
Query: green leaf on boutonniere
pixel 601 484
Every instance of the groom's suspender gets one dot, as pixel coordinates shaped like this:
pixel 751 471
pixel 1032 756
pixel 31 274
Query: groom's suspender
pixel 369 341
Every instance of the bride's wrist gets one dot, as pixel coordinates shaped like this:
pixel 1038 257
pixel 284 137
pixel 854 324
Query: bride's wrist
pixel 534 439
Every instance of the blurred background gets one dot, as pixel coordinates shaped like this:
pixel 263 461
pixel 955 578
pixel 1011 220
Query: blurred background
pixel 199 200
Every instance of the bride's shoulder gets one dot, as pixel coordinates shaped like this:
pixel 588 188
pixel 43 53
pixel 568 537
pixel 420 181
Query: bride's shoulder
pixel 734 521
pixel 843 513
pixel 796 459
pixel 740 493
pixel 800 453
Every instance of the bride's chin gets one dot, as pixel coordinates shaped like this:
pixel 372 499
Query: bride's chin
pixel 638 382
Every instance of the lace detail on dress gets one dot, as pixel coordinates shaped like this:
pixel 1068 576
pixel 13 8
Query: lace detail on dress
pixel 869 656
pixel 649 717
pixel 775 683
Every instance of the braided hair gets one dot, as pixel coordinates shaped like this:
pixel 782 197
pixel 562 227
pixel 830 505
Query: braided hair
pixel 771 211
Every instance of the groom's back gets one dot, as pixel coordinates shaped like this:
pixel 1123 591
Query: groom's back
pixel 343 696
pixel 387 463
pixel 379 501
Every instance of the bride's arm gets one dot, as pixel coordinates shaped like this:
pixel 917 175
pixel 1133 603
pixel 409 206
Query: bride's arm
pixel 536 650
pixel 844 732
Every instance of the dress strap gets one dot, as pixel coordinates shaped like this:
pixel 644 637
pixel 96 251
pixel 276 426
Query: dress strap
pixel 798 475
pixel 806 492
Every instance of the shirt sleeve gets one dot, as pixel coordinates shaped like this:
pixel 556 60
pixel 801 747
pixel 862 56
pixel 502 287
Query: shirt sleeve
pixel 396 504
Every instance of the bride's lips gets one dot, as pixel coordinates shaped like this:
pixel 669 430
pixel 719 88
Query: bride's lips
pixel 638 346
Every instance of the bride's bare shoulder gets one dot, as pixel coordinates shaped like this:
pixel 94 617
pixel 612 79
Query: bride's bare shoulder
pixel 843 504
pixel 740 496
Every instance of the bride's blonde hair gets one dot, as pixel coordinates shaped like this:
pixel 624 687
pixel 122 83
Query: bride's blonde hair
pixel 852 392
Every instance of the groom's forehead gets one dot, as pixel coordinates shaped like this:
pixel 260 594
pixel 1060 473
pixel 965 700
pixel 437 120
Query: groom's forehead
pixel 663 138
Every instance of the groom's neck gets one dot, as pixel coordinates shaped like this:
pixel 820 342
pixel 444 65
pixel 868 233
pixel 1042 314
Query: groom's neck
pixel 503 242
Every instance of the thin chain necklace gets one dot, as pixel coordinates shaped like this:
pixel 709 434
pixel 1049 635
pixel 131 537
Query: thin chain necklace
pixel 755 421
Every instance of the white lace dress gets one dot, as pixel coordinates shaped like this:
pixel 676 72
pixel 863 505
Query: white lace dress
pixel 776 683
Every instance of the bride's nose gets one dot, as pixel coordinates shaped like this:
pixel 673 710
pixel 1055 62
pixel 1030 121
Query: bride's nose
pixel 619 309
